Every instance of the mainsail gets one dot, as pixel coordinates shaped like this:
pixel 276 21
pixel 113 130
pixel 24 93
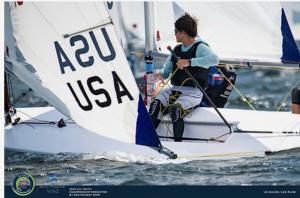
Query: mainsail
pixel 237 31
pixel 78 65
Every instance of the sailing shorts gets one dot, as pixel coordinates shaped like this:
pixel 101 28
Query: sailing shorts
pixel 296 95
pixel 190 96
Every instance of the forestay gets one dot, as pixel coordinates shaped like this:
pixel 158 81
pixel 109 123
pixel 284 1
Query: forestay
pixel 77 64
pixel 255 31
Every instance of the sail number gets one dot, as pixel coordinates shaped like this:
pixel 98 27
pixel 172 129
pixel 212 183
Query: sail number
pixel 92 82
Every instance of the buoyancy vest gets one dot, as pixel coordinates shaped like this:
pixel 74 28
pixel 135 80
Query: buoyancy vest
pixel 219 89
pixel 180 78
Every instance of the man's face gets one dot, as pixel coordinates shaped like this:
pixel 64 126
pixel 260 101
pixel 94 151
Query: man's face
pixel 178 35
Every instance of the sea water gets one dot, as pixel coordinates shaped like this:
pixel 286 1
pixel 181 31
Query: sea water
pixel 66 169
pixel 265 90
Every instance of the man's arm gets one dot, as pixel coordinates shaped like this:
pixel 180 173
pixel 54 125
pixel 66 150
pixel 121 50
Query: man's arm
pixel 205 57
pixel 167 68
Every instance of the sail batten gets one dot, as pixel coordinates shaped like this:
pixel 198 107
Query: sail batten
pixel 101 24
pixel 85 75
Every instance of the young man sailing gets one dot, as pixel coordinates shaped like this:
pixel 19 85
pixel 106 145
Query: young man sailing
pixel 194 55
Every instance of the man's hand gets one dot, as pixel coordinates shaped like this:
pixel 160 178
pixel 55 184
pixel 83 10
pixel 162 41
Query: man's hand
pixel 182 63
pixel 158 77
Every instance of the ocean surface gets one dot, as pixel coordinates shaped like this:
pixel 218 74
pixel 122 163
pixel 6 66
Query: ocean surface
pixel 266 90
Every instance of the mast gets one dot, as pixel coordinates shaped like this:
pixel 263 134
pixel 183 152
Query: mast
pixel 6 101
pixel 149 40
pixel 149 27
pixel 7 104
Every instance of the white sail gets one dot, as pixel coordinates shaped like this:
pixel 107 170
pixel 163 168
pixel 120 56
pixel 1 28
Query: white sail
pixel 238 30
pixel 113 9
pixel 80 67
pixel 128 19
pixel 292 10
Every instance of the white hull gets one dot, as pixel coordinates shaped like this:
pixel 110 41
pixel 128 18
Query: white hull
pixel 270 132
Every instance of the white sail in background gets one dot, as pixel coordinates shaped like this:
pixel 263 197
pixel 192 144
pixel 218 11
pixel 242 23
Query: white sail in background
pixel 292 10
pixel 236 30
pixel 164 24
pixel 128 19
pixel 80 67
pixel 126 32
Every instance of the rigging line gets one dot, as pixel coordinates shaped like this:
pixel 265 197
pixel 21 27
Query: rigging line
pixel 171 98
pixel 244 99
pixel 10 74
pixel 204 93
pixel 195 139
pixel 43 122
pixel 249 64
pixel 208 98
pixel 221 136
pixel 260 67
pixel 105 22
pixel 39 120
pixel 165 83
pixel 287 95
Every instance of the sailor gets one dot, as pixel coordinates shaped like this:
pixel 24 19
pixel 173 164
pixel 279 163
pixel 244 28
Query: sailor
pixel 194 55
pixel 296 100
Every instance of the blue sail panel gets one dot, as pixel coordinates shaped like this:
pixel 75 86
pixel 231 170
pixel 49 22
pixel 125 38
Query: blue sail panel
pixel 145 132
pixel 290 52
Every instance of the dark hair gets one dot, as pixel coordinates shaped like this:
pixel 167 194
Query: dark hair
pixel 188 24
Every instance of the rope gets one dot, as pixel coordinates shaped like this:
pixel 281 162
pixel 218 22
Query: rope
pixel 244 99
pixel 167 81
pixel 183 112
pixel 262 67
pixel 39 121
pixel 287 95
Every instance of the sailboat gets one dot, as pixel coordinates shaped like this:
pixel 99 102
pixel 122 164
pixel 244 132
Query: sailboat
pixel 70 54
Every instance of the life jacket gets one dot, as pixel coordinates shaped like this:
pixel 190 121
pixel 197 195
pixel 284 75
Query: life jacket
pixel 180 78
pixel 219 89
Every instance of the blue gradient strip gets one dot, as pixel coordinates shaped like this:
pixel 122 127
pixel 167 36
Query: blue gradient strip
pixel 149 67
pixel 290 52
pixel 145 132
